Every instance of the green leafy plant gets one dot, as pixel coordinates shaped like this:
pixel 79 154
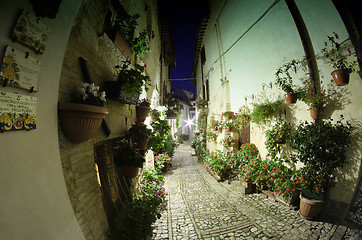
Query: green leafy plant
pixel 127 25
pixel 265 111
pixel 162 162
pixel 218 162
pixel 242 118
pixel 161 130
pixel 139 131
pixel 214 124
pixel 126 153
pixel 211 135
pixel 227 125
pixel 135 221
pixel 284 79
pixel 336 55
pixel 227 142
pixel 321 146
pixel 278 134
pixel 200 102
pixel 314 95
pixel 132 79
pixel 155 113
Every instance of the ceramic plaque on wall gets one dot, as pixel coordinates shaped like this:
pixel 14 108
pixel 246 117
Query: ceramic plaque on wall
pixel 18 69
pixel 31 31
pixel 17 112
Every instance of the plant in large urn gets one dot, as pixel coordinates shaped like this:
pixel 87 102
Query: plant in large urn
pixel 339 57
pixel 321 147
pixel 81 119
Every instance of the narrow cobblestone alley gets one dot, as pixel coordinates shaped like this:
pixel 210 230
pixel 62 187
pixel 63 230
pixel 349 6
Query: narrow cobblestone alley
pixel 199 207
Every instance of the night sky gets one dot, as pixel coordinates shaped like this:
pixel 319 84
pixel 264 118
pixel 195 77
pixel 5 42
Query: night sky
pixel 185 16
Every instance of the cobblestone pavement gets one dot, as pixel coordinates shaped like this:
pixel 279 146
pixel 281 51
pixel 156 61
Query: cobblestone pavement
pixel 199 207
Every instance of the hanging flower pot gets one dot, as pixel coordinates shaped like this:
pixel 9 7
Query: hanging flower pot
pixel 142 113
pixel 290 98
pixel 340 77
pixel 314 113
pixel 129 171
pixel 80 122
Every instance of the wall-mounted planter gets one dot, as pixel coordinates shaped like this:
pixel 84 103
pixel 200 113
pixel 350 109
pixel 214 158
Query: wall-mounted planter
pixel 340 77
pixel 314 113
pixel 142 113
pixel 114 91
pixel 121 43
pixel 290 98
pixel 80 122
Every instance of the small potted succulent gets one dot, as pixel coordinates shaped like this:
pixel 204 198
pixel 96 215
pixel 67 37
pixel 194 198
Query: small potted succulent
pixel 142 109
pixel 81 119
pixel 337 56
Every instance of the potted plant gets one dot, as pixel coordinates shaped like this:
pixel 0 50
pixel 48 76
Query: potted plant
pixel 278 134
pixel 242 118
pixel 201 103
pixel 315 97
pixel 228 115
pixel 130 81
pixel 264 111
pixel 284 80
pixel 155 114
pixel 128 157
pixel 214 124
pixel 81 120
pixel 321 147
pixel 337 56
pixel 125 25
pixel 139 133
pixel 227 125
pixel 142 109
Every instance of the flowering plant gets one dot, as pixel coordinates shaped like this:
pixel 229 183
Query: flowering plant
pixel 218 162
pixel 144 102
pixel 162 162
pixel 337 55
pixel 228 142
pixel 132 79
pixel 277 135
pixel 228 114
pixel 322 148
pixel 89 94
pixel 283 77
pixel 139 131
pixel 127 153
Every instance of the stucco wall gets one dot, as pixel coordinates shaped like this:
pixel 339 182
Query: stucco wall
pixel 243 53
pixel 33 196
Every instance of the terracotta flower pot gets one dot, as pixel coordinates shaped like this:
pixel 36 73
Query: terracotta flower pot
pixel 80 122
pixel 340 77
pixel 310 208
pixel 314 113
pixel 129 171
pixel 290 98
pixel 142 113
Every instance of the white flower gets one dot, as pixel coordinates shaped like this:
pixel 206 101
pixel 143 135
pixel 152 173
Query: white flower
pixel 103 96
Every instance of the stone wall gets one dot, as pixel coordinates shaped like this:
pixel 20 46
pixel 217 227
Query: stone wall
pixel 88 41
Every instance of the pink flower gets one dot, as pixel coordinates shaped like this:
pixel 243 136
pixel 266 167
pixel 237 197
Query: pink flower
pixel 336 35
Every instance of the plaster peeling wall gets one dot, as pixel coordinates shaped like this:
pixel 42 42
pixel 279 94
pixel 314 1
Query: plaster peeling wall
pixel 33 196
pixel 243 54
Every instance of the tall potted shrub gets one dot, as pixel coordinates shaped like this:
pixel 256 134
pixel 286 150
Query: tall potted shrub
pixel 81 119
pixel 321 147
pixel 337 56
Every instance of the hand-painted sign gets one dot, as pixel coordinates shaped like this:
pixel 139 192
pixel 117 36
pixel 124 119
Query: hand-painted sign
pixel 17 112
pixel 18 69
pixel 31 31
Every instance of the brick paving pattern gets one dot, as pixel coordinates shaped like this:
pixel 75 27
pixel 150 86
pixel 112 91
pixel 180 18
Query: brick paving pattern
pixel 199 207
